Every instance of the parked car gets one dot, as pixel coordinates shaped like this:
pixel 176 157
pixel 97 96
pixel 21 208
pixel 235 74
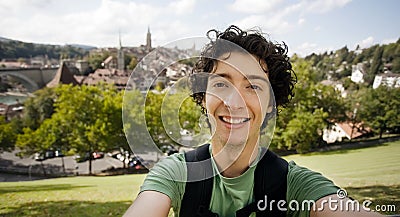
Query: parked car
pixel 49 154
pixel 137 163
pixel 58 153
pixel 168 149
pixel 82 158
pixel 39 157
pixel 97 155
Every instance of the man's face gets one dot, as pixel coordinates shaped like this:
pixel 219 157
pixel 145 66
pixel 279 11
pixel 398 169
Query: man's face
pixel 237 99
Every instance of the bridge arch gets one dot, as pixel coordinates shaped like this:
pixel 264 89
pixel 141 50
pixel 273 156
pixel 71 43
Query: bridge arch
pixel 28 83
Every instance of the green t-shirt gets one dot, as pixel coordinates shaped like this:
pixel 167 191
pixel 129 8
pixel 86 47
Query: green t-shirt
pixel 230 194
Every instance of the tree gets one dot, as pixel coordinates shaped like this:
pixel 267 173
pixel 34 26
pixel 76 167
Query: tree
pixel 380 108
pixel 304 130
pixel 51 135
pixel 376 61
pixel 132 63
pixel 8 133
pixel 96 59
pixel 134 121
pixel 92 115
pixel 166 114
pixel 299 126
pixel 39 107
pixel 85 119
pixel 341 55
pixel 311 95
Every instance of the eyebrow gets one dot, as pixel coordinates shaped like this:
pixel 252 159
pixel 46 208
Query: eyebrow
pixel 249 77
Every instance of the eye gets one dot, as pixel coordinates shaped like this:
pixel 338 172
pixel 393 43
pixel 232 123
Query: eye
pixel 255 87
pixel 219 85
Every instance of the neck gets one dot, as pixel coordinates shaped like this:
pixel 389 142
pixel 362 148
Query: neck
pixel 234 160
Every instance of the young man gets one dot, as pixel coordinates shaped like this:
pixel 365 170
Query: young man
pixel 239 81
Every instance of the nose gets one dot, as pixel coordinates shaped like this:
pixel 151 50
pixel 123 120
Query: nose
pixel 234 100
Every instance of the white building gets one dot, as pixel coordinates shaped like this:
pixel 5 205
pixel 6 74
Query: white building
pixel 345 130
pixel 387 79
pixel 337 85
pixel 358 73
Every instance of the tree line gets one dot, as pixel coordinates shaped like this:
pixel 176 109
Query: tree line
pixel 12 49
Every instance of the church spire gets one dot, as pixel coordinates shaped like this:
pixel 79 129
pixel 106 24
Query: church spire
pixel 148 40
pixel 120 44
pixel 120 55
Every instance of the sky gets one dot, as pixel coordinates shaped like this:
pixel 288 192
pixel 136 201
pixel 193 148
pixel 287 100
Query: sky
pixel 306 26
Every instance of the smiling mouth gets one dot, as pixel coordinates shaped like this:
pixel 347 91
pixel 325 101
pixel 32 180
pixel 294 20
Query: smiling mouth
pixel 231 120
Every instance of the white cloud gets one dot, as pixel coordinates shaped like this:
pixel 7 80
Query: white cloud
pixel 308 48
pixel 368 42
pixel 317 28
pixel 254 6
pixel 98 26
pixel 389 40
pixel 277 21
pixel 97 22
pixel 322 6
pixel 270 24
pixel 182 6
pixel 21 4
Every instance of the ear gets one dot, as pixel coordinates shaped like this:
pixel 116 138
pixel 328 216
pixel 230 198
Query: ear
pixel 270 109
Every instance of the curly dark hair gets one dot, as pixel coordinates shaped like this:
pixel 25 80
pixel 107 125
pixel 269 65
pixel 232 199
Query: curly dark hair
pixel 279 69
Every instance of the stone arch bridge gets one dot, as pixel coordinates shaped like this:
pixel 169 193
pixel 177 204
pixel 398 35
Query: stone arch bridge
pixel 31 78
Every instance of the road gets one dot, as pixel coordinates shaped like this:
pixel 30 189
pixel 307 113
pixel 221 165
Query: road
pixel 10 163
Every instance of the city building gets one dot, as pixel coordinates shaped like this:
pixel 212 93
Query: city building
pixel 63 76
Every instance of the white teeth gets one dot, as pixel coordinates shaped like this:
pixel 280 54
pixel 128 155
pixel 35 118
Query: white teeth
pixel 234 120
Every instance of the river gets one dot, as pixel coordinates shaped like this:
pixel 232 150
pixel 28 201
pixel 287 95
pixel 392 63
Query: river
pixel 11 98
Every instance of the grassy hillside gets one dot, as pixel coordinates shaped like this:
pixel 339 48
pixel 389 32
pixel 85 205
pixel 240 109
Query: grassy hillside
pixel 369 173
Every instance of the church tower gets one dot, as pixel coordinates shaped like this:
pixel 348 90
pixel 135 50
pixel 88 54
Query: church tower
pixel 120 56
pixel 148 40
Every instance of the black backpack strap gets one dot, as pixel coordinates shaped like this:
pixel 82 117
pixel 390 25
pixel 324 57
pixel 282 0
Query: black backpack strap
pixel 197 197
pixel 270 181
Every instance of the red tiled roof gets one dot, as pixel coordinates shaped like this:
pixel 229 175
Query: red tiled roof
pixel 63 76
pixel 354 130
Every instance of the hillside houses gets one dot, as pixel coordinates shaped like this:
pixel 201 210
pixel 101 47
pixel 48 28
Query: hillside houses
pixel 339 132
pixel 388 79
pixel 358 73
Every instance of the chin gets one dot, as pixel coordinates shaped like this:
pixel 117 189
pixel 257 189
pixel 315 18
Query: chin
pixel 235 141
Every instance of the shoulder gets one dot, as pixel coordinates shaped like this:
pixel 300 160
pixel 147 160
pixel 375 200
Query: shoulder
pixel 172 168
pixel 168 176
pixel 305 184
pixel 175 162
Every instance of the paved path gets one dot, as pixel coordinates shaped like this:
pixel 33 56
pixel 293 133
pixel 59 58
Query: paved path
pixel 10 163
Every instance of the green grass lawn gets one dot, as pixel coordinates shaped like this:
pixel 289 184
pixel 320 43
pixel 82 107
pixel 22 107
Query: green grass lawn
pixel 369 173
pixel 74 196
